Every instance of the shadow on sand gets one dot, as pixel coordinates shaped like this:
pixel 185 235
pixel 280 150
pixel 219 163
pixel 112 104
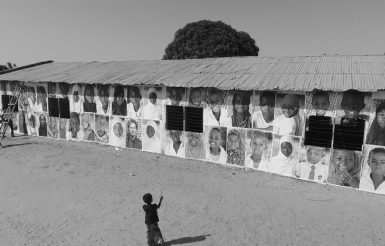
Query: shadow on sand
pixel 13 145
pixel 186 240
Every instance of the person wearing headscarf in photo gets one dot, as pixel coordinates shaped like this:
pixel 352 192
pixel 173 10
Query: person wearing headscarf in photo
pixel 89 95
pixel 151 141
pixel 284 162
pixel 194 146
pixel 132 135
pixel 176 147
pixel 373 173
pixel 153 109
pixel 52 127
pixel 101 128
pixel 119 105
pixel 376 134
pixel 175 96
pixel 117 136
pixel 103 104
pixel 75 100
pixel 214 114
pixel 196 98
pixel 345 168
pixel 314 168
pixel 87 124
pixel 42 125
pixel 134 107
pixel 263 118
pixel 259 145
pixel 216 149
pixel 289 122
pixel 63 128
pixel 74 126
pixel 241 116
pixel 235 148
pixel 41 99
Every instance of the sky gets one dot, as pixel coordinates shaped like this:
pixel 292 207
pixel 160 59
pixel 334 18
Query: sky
pixel 112 30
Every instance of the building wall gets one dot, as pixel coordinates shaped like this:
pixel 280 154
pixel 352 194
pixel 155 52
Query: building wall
pixel 241 137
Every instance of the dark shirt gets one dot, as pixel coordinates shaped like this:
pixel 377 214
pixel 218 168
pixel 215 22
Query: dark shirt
pixel 89 107
pixel 135 143
pixel 119 110
pixel 151 214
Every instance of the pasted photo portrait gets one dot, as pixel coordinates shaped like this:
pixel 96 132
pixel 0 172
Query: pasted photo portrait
pixel 52 89
pixel 240 108
pixel 376 133
pixel 195 146
pixel 134 134
pixel 345 168
pixel 285 157
pixel 263 110
pixel 53 127
pixel 103 99
pixel 289 114
pixel 236 146
pixel 152 103
pixel 41 124
pixel 215 113
pixel 76 100
pixel 353 104
pixel 42 99
pixel 23 122
pixel 134 99
pixel 258 149
pixel 64 90
pixel 103 102
pixel 74 127
pixel 216 144
pixel 373 169
pixel 119 103
pixel 117 132
pixel 88 126
pixel 32 98
pixel 151 136
pixel 32 120
pixel 64 132
pixel 315 166
pixel 175 96
pixel 89 104
pixel 321 103
pixel 23 99
pixel 175 143
pixel 102 128
pixel 196 97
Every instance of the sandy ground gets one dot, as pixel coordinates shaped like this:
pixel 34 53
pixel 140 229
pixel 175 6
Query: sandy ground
pixel 67 193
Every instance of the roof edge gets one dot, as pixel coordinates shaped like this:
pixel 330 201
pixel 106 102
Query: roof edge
pixel 26 66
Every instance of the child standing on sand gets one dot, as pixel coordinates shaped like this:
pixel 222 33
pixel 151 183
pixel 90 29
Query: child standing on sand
pixel 154 235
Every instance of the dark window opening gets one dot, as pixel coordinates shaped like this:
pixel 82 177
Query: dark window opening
pixel 53 107
pixel 174 118
pixel 193 119
pixel 5 100
pixel 319 132
pixel 64 108
pixel 349 134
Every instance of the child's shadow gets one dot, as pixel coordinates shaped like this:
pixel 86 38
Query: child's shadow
pixel 186 240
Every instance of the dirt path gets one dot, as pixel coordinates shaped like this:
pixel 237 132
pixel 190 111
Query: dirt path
pixel 68 193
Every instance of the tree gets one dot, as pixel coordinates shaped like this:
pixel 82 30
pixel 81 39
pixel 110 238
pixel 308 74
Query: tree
pixel 6 67
pixel 204 39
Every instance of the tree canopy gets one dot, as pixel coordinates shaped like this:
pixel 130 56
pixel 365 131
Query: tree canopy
pixel 205 38
pixel 6 67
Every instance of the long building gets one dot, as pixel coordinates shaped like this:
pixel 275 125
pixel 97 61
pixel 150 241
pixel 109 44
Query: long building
pixel 316 118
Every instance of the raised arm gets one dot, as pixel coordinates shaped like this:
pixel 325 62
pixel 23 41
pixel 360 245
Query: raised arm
pixel 160 201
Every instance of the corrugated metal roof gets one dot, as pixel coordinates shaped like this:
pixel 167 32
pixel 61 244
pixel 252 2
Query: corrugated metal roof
pixel 337 73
